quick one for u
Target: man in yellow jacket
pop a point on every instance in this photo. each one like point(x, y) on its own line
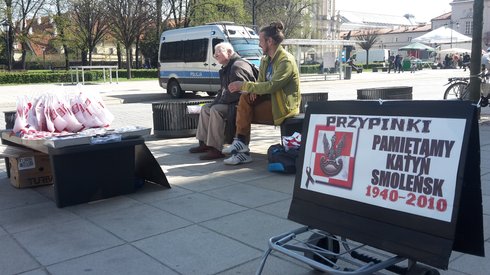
point(272, 99)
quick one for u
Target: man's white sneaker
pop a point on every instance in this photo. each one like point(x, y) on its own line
point(236, 147)
point(238, 158)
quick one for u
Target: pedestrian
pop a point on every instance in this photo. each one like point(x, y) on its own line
point(212, 119)
point(455, 61)
point(447, 62)
point(391, 61)
point(466, 61)
point(272, 99)
point(485, 59)
point(398, 63)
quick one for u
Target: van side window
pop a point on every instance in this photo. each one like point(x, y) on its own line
point(196, 50)
point(216, 41)
point(172, 52)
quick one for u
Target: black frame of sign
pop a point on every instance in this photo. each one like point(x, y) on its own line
point(415, 237)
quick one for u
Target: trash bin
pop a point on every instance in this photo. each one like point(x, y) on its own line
point(348, 72)
point(309, 97)
point(171, 118)
point(396, 92)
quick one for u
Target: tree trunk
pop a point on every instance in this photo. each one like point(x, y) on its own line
point(475, 65)
point(10, 51)
point(137, 54)
point(67, 58)
point(63, 37)
point(119, 55)
point(24, 47)
point(84, 57)
point(159, 17)
point(128, 62)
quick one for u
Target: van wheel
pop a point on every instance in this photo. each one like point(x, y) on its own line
point(212, 93)
point(173, 88)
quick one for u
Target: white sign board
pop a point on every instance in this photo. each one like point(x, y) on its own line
point(408, 164)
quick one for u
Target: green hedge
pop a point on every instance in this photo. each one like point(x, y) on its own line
point(310, 69)
point(62, 76)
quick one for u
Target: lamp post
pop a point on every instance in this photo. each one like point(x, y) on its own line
point(451, 23)
point(254, 3)
point(44, 57)
point(6, 30)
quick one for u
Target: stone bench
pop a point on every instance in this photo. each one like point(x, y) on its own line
point(172, 120)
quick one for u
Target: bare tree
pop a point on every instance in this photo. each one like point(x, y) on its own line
point(62, 22)
point(128, 20)
point(91, 24)
point(293, 13)
point(27, 10)
point(367, 40)
point(179, 12)
point(158, 17)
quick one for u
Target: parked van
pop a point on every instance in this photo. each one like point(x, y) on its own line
point(186, 56)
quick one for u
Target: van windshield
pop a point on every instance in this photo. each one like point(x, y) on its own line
point(247, 48)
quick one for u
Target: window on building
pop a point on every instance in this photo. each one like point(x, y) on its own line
point(396, 39)
point(468, 28)
point(409, 39)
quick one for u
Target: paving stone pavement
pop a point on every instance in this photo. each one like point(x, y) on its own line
point(215, 219)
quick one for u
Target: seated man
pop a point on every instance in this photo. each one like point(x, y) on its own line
point(272, 99)
point(211, 127)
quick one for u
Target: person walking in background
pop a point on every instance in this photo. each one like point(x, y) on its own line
point(211, 127)
point(275, 97)
point(485, 59)
point(455, 61)
point(398, 63)
point(391, 61)
point(447, 62)
point(466, 61)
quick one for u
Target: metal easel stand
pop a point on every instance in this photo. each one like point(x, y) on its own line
point(325, 252)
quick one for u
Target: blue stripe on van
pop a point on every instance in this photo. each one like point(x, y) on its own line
point(189, 74)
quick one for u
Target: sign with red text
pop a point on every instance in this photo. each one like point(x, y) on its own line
point(401, 176)
point(407, 164)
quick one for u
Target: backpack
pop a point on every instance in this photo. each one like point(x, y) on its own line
point(282, 161)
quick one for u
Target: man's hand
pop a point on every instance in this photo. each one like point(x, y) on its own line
point(252, 97)
point(235, 86)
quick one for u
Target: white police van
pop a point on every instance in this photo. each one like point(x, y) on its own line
point(186, 56)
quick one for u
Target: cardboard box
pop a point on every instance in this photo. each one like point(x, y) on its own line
point(27, 168)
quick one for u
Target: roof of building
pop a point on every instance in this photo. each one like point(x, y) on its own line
point(405, 29)
point(351, 18)
point(445, 16)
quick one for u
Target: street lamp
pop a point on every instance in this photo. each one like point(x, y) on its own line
point(44, 57)
point(6, 30)
point(451, 22)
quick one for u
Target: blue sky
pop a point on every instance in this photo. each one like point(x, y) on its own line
point(424, 10)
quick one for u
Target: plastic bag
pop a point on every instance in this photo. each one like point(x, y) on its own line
point(23, 107)
point(291, 142)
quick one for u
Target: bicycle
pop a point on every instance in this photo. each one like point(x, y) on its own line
point(459, 88)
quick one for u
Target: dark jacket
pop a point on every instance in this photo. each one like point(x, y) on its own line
point(237, 69)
